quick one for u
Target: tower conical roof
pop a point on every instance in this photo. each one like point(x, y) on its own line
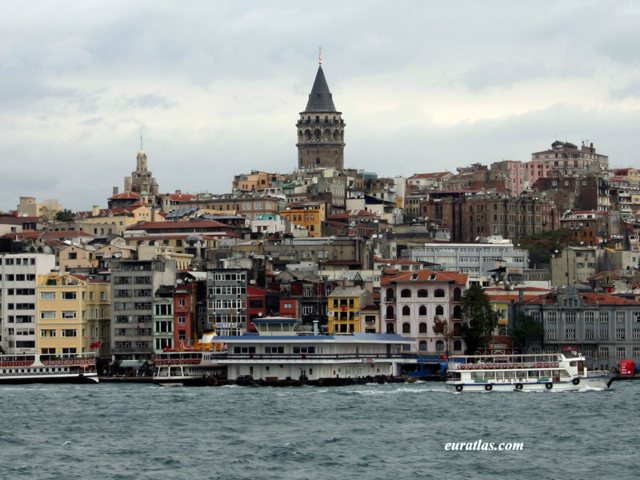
point(320, 97)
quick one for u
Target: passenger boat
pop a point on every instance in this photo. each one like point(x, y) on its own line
point(539, 372)
point(37, 368)
point(279, 354)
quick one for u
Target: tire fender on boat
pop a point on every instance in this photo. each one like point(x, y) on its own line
point(488, 388)
point(459, 388)
point(518, 386)
point(576, 381)
point(549, 386)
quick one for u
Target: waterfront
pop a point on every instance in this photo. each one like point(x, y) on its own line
point(398, 431)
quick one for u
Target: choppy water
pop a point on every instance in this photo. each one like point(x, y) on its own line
point(133, 431)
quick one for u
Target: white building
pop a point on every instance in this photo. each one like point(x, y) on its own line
point(474, 259)
point(18, 279)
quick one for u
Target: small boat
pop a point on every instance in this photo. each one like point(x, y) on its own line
point(40, 368)
point(537, 372)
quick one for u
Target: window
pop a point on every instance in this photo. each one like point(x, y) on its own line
point(604, 333)
point(47, 314)
point(68, 295)
point(406, 310)
point(603, 352)
point(439, 310)
point(620, 332)
point(47, 295)
point(570, 333)
point(422, 311)
point(589, 316)
point(47, 333)
point(405, 293)
point(422, 346)
point(422, 327)
point(69, 332)
point(552, 317)
point(621, 352)
point(69, 314)
point(406, 327)
point(422, 293)
point(570, 316)
point(182, 320)
point(439, 293)
point(552, 334)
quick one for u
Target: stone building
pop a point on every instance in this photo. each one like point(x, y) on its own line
point(605, 328)
point(320, 129)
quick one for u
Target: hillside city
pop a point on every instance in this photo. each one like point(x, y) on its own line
point(552, 242)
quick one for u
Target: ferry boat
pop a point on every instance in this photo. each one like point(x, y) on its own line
point(539, 372)
point(39, 368)
point(279, 354)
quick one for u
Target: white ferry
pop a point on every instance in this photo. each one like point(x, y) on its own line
point(543, 372)
point(35, 368)
point(281, 355)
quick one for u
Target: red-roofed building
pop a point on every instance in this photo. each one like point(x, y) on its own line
point(605, 328)
point(413, 303)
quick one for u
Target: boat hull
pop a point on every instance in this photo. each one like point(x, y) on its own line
point(63, 378)
point(599, 383)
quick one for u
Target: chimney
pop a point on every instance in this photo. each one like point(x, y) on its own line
point(115, 190)
point(95, 211)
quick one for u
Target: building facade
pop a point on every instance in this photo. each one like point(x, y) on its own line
point(133, 286)
point(605, 328)
point(320, 129)
point(19, 275)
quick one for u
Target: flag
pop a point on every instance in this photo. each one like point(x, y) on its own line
point(95, 345)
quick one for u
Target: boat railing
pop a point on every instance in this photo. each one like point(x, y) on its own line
point(282, 356)
point(598, 373)
point(507, 359)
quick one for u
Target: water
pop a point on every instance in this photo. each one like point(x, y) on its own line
point(398, 431)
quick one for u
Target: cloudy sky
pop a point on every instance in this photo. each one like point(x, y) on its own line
point(216, 87)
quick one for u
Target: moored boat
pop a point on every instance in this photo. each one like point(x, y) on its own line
point(39, 368)
point(516, 372)
point(280, 354)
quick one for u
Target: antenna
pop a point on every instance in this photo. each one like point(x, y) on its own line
point(141, 142)
point(320, 55)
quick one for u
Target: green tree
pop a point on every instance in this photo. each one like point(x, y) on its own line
point(526, 331)
point(480, 318)
point(64, 216)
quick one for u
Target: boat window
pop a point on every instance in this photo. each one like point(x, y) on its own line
point(573, 363)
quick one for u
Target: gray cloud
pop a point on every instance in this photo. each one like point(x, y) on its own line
point(216, 87)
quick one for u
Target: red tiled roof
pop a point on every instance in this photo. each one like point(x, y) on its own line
point(186, 224)
point(125, 196)
point(33, 234)
point(182, 197)
point(589, 298)
point(425, 275)
point(431, 175)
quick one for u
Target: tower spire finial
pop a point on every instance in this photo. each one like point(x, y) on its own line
point(141, 142)
point(320, 55)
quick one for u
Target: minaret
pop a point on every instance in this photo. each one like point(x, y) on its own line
point(320, 128)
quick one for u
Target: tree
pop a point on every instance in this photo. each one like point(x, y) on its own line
point(526, 331)
point(64, 215)
point(442, 327)
point(480, 318)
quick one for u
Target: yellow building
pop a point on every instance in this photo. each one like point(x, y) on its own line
point(308, 215)
point(115, 221)
point(71, 314)
point(344, 309)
